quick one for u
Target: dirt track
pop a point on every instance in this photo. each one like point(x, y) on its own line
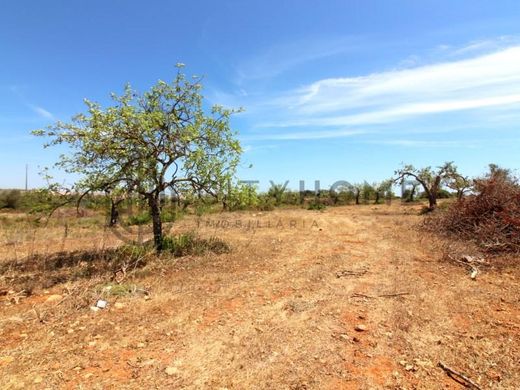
point(280, 312)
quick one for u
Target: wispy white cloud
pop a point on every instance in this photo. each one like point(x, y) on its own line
point(427, 143)
point(398, 112)
point(41, 112)
point(482, 46)
point(496, 75)
point(277, 59)
point(304, 135)
point(354, 105)
point(254, 148)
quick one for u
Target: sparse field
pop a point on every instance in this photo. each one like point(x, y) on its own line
point(279, 311)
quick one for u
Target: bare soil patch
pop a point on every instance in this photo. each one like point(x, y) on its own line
point(346, 298)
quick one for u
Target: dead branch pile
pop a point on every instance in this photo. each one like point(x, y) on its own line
point(490, 217)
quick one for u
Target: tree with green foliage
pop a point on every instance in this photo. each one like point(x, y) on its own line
point(460, 184)
point(431, 180)
point(149, 143)
point(277, 191)
point(382, 189)
point(367, 192)
point(498, 173)
point(409, 193)
point(240, 197)
point(357, 190)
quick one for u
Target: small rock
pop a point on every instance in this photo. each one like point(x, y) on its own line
point(343, 337)
point(88, 375)
point(54, 298)
point(171, 370)
point(360, 328)
point(141, 345)
point(38, 379)
point(119, 305)
point(423, 363)
point(409, 367)
point(94, 308)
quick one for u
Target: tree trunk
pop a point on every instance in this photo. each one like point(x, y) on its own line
point(432, 199)
point(412, 193)
point(377, 198)
point(155, 211)
point(432, 193)
point(114, 213)
point(358, 193)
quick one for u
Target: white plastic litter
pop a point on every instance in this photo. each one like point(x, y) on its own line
point(101, 304)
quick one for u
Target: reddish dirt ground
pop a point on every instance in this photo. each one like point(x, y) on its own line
point(348, 298)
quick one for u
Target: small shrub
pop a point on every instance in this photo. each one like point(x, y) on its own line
point(316, 205)
point(277, 192)
point(292, 198)
point(170, 216)
point(119, 290)
point(266, 203)
point(202, 208)
point(242, 197)
point(10, 199)
point(139, 219)
point(190, 244)
point(134, 252)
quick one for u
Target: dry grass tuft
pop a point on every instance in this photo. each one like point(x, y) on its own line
point(43, 271)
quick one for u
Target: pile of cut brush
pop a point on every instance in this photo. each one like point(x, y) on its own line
point(490, 217)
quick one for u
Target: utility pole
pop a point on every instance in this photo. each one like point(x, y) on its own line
point(26, 176)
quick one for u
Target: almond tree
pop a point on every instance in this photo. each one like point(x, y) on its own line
point(382, 188)
point(149, 143)
point(431, 180)
point(460, 184)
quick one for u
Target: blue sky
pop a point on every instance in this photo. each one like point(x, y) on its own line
point(332, 90)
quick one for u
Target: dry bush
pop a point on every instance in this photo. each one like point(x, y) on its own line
point(490, 217)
